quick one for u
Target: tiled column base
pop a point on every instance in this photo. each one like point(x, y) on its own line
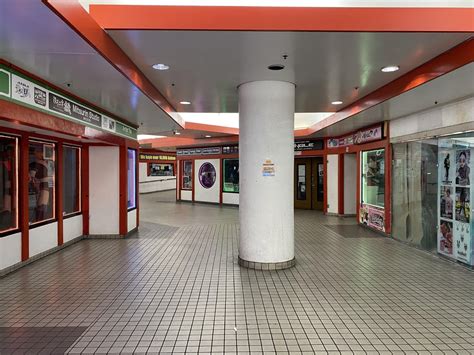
point(267, 266)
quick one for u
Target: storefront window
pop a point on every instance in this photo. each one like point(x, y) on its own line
point(301, 187)
point(8, 183)
point(71, 180)
point(41, 181)
point(161, 169)
point(187, 175)
point(231, 175)
point(132, 178)
point(373, 177)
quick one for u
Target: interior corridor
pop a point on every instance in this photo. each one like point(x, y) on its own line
point(176, 287)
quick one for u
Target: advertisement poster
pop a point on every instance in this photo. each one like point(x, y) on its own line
point(373, 217)
point(462, 167)
point(207, 175)
point(462, 242)
point(446, 202)
point(446, 167)
point(463, 205)
point(445, 237)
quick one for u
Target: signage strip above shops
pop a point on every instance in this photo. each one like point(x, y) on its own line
point(19, 88)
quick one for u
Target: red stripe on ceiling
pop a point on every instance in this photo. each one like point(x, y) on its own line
point(236, 18)
point(448, 61)
point(80, 21)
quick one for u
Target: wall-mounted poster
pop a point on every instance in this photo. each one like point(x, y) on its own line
point(372, 216)
point(446, 167)
point(463, 205)
point(445, 237)
point(462, 242)
point(207, 175)
point(462, 167)
point(446, 202)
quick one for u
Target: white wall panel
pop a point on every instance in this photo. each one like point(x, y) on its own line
point(332, 182)
point(104, 190)
point(350, 183)
point(10, 250)
point(207, 194)
point(186, 195)
point(72, 228)
point(230, 198)
point(131, 220)
point(43, 238)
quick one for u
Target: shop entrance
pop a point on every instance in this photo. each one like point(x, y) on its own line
point(309, 189)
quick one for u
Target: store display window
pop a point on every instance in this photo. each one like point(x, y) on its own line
point(8, 183)
point(41, 181)
point(71, 180)
point(372, 192)
point(301, 187)
point(157, 169)
point(231, 175)
point(187, 179)
point(131, 179)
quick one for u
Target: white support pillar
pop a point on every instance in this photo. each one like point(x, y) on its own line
point(266, 138)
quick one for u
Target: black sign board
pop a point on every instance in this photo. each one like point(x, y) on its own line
point(309, 145)
point(69, 108)
point(199, 151)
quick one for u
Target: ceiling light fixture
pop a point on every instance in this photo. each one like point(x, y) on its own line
point(276, 67)
point(185, 103)
point(160, 66)
point(390, 68)
point(207, 136)
point(336, 102)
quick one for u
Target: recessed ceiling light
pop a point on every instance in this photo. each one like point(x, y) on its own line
point(177, 133)
point(207, 136)
point(185, 103)
point(160, 66)
point(390, 68)
point(336, 102)
point(276, 67)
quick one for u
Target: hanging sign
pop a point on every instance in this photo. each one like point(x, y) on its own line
point(198, 151)
point(360, 137)
point(20, 89)
point(309, 145)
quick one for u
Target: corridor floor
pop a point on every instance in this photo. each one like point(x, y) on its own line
point(176, 287)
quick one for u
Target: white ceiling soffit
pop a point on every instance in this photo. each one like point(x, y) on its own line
point(35, 39)
point(302, 119)
point(206, 67)
point(288, 3)
point(451, 87)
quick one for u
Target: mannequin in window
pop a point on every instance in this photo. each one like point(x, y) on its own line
point(39, 185)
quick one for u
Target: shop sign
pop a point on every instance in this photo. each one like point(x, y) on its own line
point(20, 89)
point(268, 168)
point(156, 157)
point(372, 216)
point(309, 145)
point(360, 137)
point(198, 151)
point(234, 149)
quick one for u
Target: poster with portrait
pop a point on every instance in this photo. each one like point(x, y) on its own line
point(463, 169)
point(463, 204)
point(462, 242)
point(446, 167)
point(445, 237)
point(446, 204)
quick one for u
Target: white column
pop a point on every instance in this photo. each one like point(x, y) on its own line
point(266, 114)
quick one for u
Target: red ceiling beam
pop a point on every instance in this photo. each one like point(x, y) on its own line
point(237, 18)
point(71, 12)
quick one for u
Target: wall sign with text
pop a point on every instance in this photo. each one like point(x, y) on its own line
point(18, 88)
point(309, 145)
point(147, 156)
point(198, 151)
point(360, 137)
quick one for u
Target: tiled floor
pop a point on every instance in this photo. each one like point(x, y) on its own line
point(176, 287)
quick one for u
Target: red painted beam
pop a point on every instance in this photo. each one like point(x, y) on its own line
point(80, 21)
point(237, 18)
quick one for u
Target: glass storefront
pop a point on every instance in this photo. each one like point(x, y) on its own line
point(132, 178)
point(432, 193)
point(157, 169)
point(187, 179)
point(372, 190)
point(41, 181)
point(71, 180)
point(231, 175)
point(8, 183)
